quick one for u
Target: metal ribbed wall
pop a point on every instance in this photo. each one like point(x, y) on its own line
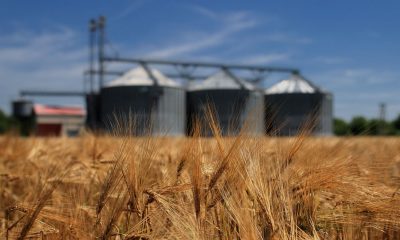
point(288, 113)
point(171, 112)
point(326, 121)
point(232, 107)
point(162, 110)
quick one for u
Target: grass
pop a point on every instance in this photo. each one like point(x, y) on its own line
point(110, 187)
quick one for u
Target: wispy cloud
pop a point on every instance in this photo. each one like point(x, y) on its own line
point(266, 58)
point(358, 91)
point(29, 47)
point(287, 38)
point(134, 5)
point(332, 60)
point(51, 59)
point(229, 38)
point(352, 77)
point(229, 25)
point(204, 12)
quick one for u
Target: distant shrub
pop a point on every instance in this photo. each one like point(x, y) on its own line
point(358, 126)
point(4, 122)
point(341, 127)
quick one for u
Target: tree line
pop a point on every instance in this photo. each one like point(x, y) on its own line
point(362, 126)
point(7, 122)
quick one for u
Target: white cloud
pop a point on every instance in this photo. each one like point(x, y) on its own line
point(358, 91)
point(266, 58)
point(229, 25)
point(27, 47)
point(358, 77)
point(204, 12)
point(287, 38)
point(135, 5)
point(52, 59)
point(332, 60)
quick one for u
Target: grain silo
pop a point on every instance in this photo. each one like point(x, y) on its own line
point(233, 100)
point(154, 102)
point(296, 103)
point(23, 111)
point(22, 108)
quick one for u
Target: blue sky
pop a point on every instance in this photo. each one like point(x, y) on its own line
point(350, 48)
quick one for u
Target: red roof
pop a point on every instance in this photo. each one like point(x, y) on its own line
point(58, 110)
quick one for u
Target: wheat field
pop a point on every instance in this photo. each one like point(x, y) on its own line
point(113, 187)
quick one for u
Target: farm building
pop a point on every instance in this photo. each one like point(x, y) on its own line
point(292, 104)
point(45, 120)
point(150, 99)
point(57, 120)
point(233, 101)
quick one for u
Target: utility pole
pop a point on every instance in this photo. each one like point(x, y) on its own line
point(101, 24)
point(91, 97)
point(382, 117)
point(382, 111)
point(92, 36)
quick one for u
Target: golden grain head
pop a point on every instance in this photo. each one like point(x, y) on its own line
point(199, 188)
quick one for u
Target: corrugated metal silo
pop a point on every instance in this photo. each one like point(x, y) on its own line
point(233, 100)
point(292, 103)
point(153, 100)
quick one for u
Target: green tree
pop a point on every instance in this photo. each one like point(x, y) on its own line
point(358, 125)
point(341, 127)
point(4, 122)
point(375, 127)
point(391, 130)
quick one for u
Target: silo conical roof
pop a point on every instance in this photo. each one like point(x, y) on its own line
point(222, 80)
point(295, 84)
point(140, 77)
